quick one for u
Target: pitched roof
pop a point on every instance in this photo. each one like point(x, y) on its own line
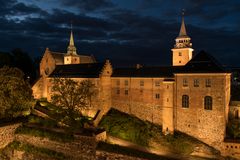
point(59, 58)
point(161, 71)
point(203, 63)
point(87, 70)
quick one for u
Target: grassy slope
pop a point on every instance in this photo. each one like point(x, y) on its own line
point(144, 133)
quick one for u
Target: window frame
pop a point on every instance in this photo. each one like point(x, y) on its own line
point(185, 82)
point(208, 82)
point(196, 82)
point(185, 101)
point(208, 102)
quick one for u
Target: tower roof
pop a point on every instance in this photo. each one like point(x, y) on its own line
point(71, 50)
point(183, 32)
point(71, 42)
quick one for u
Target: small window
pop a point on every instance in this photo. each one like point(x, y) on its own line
point(185, 101)
point(208, 103)
point(67, 59)
point(196, 83)
point(118, 82)
point(180, 61)
point(141, 83)
point(75, 59)
point(185, 82)
point(141, 91)
point(118, 91)
point(180, 54)
point(126, 82)
point(126, 92)
point(208, 82)
point(157, 96)
point(157, 83)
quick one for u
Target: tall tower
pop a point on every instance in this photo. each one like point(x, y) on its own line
point(71, 57)
point(182, 51)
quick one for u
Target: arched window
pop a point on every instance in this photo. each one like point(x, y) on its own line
point(208, 103)
point(185, 101)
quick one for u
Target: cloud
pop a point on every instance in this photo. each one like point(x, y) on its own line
point(88, 5)
point(125, 36)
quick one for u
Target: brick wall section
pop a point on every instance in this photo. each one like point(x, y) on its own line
point(7, 134)
point(82, 148)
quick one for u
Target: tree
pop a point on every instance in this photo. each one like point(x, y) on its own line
point(15, 93)
point(72, 96)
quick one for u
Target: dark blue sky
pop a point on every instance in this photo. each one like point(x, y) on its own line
point(125, 31)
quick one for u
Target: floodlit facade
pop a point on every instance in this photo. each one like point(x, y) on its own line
point(191, 96)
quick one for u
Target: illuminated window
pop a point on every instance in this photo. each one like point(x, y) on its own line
point(141, 83)
point(196, 83)
point(185, 101)
point(208, 82)
point(118, 82)
point(126, 92)
point(157, 83)
point(126, 82)
point(208, 103)
point(180, 54)
point(185, 82)
point(157, 96)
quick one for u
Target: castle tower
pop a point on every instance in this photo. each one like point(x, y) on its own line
point(71, 57)
point(182, 51)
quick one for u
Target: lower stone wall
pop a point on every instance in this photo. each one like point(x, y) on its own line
point(231, 149)
point(100, 155)
point(83, 147)
point(144, 111)
point(7, 134)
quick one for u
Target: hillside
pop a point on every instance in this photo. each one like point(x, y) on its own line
point(143, 133)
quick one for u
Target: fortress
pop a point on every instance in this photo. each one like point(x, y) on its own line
point(191, 96)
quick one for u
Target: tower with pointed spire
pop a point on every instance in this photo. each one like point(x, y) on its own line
point(182, 51)
point(71, 57)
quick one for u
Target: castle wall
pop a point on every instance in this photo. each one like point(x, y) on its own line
point(139, 99)
point(7, 134)
point(207, 125)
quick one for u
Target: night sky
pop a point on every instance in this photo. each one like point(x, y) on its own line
point(125, 31)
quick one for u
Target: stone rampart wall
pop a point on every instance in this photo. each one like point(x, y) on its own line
point(231, 149)
point(145, 111)
point(7, 134)
point(114, 156)
point(83, 147)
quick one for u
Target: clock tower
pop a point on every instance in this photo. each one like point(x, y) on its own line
point(182, 51)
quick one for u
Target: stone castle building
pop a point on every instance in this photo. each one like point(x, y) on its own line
point(191, 96)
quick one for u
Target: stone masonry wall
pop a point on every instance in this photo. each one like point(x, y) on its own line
point(130, 97)
point(7, 134)
point(206, 125)
point(100, 155)
point(82, 148)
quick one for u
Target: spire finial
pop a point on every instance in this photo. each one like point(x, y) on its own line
point(71, 47)
point(183, 28)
